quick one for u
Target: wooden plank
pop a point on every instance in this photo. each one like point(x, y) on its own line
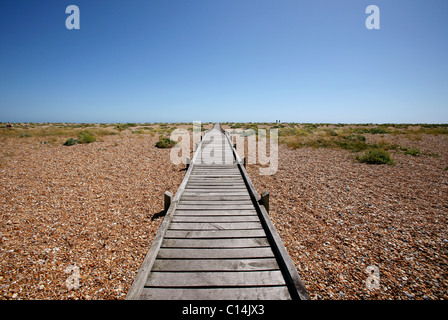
point(215, 212)
point(211, 207)
point(215, 243)
point(215, 264)
point(204, 167)
point(252, 218)
point(215, 279)
point(211, 180)
point(214, 172)
point(216, 189)
point(220, 180)
point(216, 175)
point(223, 234)
point(215, 253)
point(214, 225)
point(242, 293)
point(246, 197)
point(218, 168)
point(217, 186)
point(215, 194)
point(215, 202)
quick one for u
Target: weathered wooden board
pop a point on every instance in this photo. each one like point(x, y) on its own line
point(215, 264)
point(222, 191)
point(215, 202)
point(207, 234)
point(215, 279)
point(215, 243)
point(241, 293)
point(214, 225)
point(215, 212)
point(251, 218)
point(212, 207)
point(216, 186)
point(215, 253)
point(214, 193)
point(214, 198)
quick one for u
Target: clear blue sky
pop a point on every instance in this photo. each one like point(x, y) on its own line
point(224, 60)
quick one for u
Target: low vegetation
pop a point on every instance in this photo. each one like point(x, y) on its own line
point(83, 137)
point(362, 139)
point(375, 156)
point(70, 142)
point(369, 139)
point(86, 137)
point(165, 142)
point(412, 151)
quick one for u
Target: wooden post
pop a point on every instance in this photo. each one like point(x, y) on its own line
point(188, 162)
point(167, 198)
point(265, 200)
point(244, 161)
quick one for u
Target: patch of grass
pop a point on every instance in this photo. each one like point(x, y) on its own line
point(165, 142)
point(431, 154)
point(356, 138)
point(86, 137)
point(412, 151)
point(70, 142)
point(83, 137)
point(374, 130)
point(375, 156)
point(120, 127)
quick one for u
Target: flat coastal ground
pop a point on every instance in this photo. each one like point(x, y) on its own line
point(96, 208)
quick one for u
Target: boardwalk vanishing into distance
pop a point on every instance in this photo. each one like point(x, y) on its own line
point(216, 241)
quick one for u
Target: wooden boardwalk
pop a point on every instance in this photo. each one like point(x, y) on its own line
point(216, 241)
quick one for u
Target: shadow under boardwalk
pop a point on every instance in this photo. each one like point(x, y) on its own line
point(215, 242)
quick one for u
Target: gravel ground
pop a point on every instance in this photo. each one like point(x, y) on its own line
point(337, 217)
point(76, 222)
point(93, 207)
